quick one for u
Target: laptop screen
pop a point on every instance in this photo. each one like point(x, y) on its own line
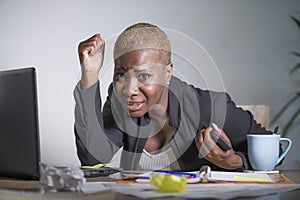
point(19, 132)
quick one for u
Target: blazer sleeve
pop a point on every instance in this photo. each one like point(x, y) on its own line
point(95, 142)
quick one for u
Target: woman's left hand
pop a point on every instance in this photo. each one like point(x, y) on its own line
point(209, 150)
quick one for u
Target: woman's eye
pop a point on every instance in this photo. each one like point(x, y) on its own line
point(143, 77)
point(120, 77)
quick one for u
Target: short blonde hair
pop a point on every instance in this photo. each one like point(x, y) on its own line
point(143, 36)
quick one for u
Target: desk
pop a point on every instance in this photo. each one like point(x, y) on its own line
point(18, 189)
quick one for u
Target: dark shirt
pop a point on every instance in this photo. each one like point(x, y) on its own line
point(190, 110)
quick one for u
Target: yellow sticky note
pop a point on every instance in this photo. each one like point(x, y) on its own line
point(168, 183)
point(93, 166)
point(249, 179)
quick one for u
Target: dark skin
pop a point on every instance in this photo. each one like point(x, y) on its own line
point(141, 82)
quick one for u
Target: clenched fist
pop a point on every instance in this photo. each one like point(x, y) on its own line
point(91, 56)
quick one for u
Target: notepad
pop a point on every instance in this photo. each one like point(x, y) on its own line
point(238, 176)
point(206, 175)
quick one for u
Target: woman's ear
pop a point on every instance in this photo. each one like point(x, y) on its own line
point(169, 69)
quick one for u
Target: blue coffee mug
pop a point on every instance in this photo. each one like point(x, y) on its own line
point(263, 150)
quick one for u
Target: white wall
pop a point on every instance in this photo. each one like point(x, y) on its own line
point(249, 41)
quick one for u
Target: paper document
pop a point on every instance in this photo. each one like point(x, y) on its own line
point(216, 176)
point(212, 191)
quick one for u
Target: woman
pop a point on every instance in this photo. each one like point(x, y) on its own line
point(160, 121)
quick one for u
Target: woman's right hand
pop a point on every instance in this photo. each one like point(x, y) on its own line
point(91, 56)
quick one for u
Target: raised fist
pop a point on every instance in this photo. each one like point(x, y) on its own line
point(91, 56)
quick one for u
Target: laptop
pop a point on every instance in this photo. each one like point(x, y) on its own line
point(19, 130)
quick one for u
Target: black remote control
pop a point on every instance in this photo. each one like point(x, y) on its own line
point(220, 140)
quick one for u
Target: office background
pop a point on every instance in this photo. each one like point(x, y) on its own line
point(249, 42)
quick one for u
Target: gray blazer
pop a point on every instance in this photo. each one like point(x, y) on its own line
point(99, 134)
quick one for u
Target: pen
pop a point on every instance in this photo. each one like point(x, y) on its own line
point(184, 174)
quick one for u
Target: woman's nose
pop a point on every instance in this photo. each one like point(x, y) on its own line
point(131, 87)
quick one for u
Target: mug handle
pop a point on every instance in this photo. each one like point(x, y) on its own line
point(289, 144)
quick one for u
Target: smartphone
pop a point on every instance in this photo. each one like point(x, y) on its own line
point(220, 140)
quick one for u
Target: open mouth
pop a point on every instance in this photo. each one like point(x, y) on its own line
point(134, 105)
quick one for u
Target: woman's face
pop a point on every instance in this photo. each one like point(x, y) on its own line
point(140, 81)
